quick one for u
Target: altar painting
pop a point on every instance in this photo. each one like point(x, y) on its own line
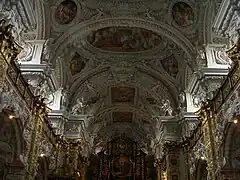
point(124, 39)
point(122, 168)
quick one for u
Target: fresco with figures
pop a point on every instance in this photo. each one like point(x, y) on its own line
point(122, 117)
point(76, 64)
point(183, 14)
point(170, 65)
point(124, 39)
point(66, 11)
point(122, 94)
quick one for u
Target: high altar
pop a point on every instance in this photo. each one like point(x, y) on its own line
point(121, 159)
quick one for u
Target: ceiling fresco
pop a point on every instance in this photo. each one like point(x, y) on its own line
point(124, 39)
point(122, 94)
point(66, 11)
point(122, 117)
point(132, 58)
point(183, 14)
point(170, 65)
point(76, 64)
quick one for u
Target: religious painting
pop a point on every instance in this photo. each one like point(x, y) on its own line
point(122, 94)
point(183, 14)
point(66, 12)
point(170, 65)
point(124, 39)
point(76, 65)
point(122, 117)
point(121, 168)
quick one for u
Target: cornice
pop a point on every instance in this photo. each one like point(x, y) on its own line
point(203, 74)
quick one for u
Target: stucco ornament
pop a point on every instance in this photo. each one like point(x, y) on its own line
point(234, 29)
point(27, 52)
point(167, 108)
point(43, 90)
point(65, 94)
point(47, 51)
point(79, 107)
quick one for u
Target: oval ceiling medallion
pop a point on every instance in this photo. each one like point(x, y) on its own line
point(124, 39)
point(66, 12)
point(183, 14)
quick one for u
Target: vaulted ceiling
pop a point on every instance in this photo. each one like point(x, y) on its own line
point(126, 61)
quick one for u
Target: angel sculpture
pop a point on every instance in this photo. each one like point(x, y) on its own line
point(79, 107)
point(166, 107)
point(47, 53)
point(64, 97)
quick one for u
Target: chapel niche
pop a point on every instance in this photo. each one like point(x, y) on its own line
point(121, 159)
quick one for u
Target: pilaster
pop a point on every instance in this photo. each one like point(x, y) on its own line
point(40, 113)
point(208, 125)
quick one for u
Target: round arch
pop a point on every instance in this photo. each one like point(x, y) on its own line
point(76, 32)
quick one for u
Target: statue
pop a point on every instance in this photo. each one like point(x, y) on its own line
point(41, 89)
point(196, 101)
point(44, 92)
point(166, 107)
point(79, 107)
point(47, 53)
point(182, 101)
point(2, 25)
point(64, 98)
point(201, 58)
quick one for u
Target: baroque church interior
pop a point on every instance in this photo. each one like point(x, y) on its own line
point(119, 90)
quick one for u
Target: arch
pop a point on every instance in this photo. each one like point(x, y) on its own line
point(80, 29)
point(169, 84)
